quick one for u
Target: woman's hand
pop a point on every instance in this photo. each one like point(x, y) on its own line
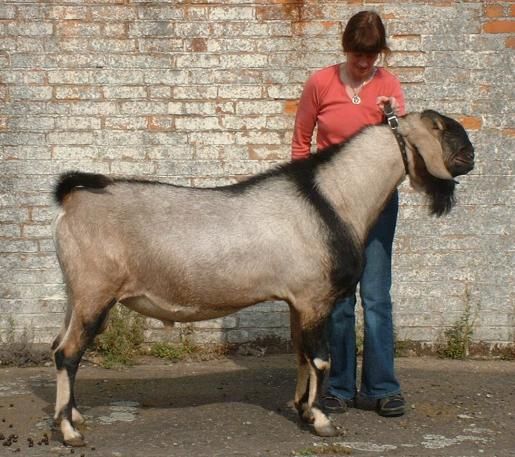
point(382, 100)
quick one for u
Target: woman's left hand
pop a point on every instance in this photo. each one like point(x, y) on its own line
point(382, 100)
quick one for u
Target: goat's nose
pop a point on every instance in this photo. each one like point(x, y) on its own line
point(469, 154)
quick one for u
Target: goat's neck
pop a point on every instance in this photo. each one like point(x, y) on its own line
point(359, 180)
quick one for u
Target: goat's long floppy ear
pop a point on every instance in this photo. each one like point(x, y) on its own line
point(424, 132)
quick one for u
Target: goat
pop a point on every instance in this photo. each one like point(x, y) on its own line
point(294, 233)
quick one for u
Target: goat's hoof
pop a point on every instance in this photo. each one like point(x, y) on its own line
point(327, 430)
point(77, 417)
point(77, 441)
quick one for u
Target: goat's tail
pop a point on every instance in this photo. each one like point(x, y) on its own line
point(73, 179)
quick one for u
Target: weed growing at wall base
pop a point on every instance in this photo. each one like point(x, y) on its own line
point(19, 349)
point(122, 339)
point(457, 338)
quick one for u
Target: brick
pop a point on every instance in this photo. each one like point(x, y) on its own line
point(78, 123)
point(247, 61)
point(78, 93)
point(31, 123)
point(212, 138)
point(30, 93)
point(70, 152)
point(172, 77)
point(151, 29)
point(494, 10)
point(258, 107)
point(91, 108)
point(125, 123)
point(60, 13)
point(160, 44)
point(230, 45)
point(240, 92)
point(195, 92)
point(159, 92)
point(277, 92)
point(197, 60)
point(239, 123)
point(234, 13)
point(77, 28)
point(160, 12)
point(499, 26)
point(113, 45)
point(126, 92)
point(470, 122)
point(7, 12)
point(140, 108)
point(204, 123)
point(40, 29)
point(116, 12)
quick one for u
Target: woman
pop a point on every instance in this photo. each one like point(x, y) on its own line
point(340, 100)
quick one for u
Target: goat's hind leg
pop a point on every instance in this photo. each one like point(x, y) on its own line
point(68, 351)
point(76, 416)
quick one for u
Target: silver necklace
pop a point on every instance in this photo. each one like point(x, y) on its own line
point(356, 99)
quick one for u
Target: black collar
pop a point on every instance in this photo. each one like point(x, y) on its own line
point(393, 122)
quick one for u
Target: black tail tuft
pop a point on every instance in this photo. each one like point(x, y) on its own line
point(72, 179)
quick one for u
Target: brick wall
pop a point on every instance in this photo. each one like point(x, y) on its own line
point(204, 93)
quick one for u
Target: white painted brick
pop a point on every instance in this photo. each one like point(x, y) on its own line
point(194, 92)
point(197, 60)
point(243, 60)
point(30, 92)
point(258, 107)
point(244, 123)
point(239, 92)
point(204, 123)
point(78, 93)
point(125, 123)
point(78, 123)
point(129, 92)
point(139, 108)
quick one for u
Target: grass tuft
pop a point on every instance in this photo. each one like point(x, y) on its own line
point(20, 350)
point(122, 339)
point(457, 339)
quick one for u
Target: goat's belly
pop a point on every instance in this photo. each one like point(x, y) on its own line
point(169, 313)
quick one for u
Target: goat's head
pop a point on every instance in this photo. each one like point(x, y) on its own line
point(441, 150)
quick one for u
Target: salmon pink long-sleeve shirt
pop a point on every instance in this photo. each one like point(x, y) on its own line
point(325, 103)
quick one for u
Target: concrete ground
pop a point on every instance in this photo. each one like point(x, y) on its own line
point(242, 407)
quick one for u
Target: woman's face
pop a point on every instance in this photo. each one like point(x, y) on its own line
point(360, 64)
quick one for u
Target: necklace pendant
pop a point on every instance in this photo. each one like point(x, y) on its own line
point(356, 100)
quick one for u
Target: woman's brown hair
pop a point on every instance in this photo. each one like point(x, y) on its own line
point(365, 33)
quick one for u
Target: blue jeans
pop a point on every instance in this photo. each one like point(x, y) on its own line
point(378, 378)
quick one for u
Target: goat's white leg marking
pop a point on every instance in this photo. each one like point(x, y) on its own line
point(302, 382)
point(313, 385)
point(77, 416)
point(62, 394)
point(321, 364)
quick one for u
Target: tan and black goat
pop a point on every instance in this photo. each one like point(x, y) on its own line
point(295, 233)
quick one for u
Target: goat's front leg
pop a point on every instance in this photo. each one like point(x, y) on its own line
point(313, 364)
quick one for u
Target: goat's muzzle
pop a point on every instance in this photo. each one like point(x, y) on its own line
point(463, 161)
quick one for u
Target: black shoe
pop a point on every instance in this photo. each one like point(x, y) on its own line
point(391, 406)
point(334, 404)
